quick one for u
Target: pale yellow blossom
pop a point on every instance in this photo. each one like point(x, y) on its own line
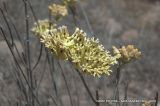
point(58, 10)
point(127, 53)
point(87, 54)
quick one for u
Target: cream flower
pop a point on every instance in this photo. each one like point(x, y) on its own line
point(87, 54)
point(42, 26)
point(126, 54)
point(58, 10)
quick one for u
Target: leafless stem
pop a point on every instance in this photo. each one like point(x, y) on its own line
point(87, 88)
point(156, 98)
point(65, 80)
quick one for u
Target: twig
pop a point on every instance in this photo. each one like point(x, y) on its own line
point(125, 96)
point(16, 62)
point(116, 92)
point(39, 57)
point(86, 19)
point(13, 44)
point(97, 97)
point(52, 68)
point(27, 52)
point(88, 90)
point(17, 33)
point(65, 80)
point(8, 26)
point(156, 98)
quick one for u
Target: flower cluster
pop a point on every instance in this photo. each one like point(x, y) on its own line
point(42, 26)
point(126, 54)
point(56, 40)
point(61, 10)
point(87, 54)
point(90, 56)
point(58, 10)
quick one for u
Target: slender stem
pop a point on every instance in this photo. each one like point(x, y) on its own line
point(53, 99)
point(8, 26)
point(10, 20)
point(125, 96)
point(34, 15)
point(116, 92)
point(86, 19)
point(97, 97)
point(13, 44)
point(39, 57)
point(86, 86)
point(19, 67)
point(54, 85)
point(76, 86)
point(65, 80)
point(29, 71)
point(156, 98)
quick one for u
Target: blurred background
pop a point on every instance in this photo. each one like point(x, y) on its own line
point(113, 22)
